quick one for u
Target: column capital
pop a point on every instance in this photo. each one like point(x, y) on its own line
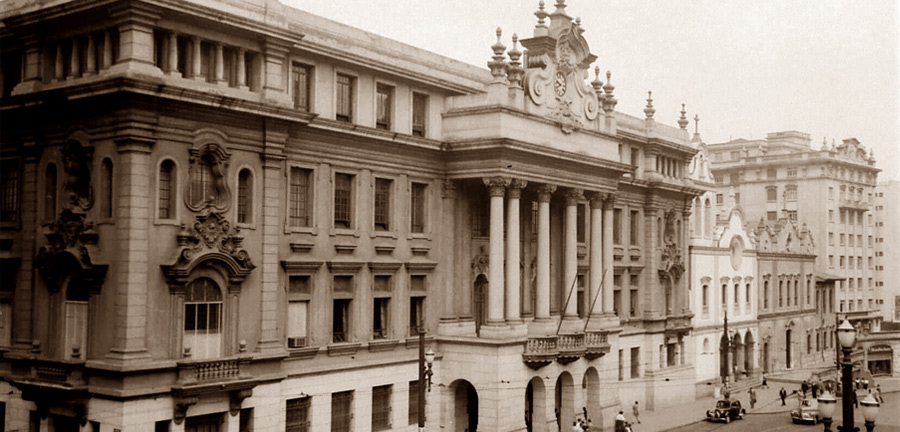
point(573, 196)
point(609, 201)
point(496, 185)
point(596, 199)
point(448, 189)
point(515, 188)
point(545, 191)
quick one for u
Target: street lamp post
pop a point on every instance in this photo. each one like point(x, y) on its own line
point(847, 337)
point(425, 362)
point(827, 404)
point(870, 411)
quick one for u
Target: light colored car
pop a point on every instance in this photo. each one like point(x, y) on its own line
point(807, 411)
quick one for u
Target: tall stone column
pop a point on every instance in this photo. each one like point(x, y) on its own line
point(570, 272)
point(75, 60)
point(107, 59)
point(497, 189)
point(220, 64)
point(513, 252)
point(241, 69)
point(448, 240)
point(608, 268)
point(59, 70)
point(23, 295)
point(133, 232)
point(596, 269)
point(90, 67)
point(542, 298)
point(173, 55)
point(196, 59)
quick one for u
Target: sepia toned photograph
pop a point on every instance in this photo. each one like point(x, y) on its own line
point(466, 216)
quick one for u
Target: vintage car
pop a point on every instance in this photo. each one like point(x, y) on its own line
point(808, 411)
point(726, 410)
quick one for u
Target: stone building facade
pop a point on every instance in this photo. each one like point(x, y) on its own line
point(887, 274)
point(829, 190)
point(236, 216)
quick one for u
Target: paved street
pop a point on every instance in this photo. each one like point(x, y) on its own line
point(888, 421)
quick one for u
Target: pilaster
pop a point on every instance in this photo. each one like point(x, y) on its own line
point(273, 158)
point(135, 22)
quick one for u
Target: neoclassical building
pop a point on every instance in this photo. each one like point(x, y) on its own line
point(236, 216)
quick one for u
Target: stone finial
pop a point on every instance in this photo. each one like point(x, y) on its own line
point(578, 25)
point(597, 84)
point(683, 121)
point(697, 126)
point(498, 64)
point(610, 101)
point(649, 110)
point(541, 14)
point(515, 70)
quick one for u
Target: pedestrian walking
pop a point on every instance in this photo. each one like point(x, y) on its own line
point(855, 400)
point(765, 383)
point(815, 389)
point(620, 421)
point(878, 393)
point(783, 394)
point(588, 425)
point(634, 410)
point(865, 383)
point(752, 397)
point(804, 386)
point(576, 427)
point(856, 383)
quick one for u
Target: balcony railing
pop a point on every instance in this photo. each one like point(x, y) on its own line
point(539, 351)
point(596, 344)
point(200, 372)
point(571, 347)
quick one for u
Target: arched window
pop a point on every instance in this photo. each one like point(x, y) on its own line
point(705, 345)
point(245, 196)
point(167, 187)
point(707, 218)
point(50, 188)
point(705, 300)
point(766, 294)
point(106, 189)
point(203, 319)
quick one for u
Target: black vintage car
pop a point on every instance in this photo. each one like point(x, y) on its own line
point(726, 410)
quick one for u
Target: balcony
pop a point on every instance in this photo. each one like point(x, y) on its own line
point(570, 347)
point(854, 204)
point(217, 372)
point(47, 373)
point(596, 344)
point(539, 351)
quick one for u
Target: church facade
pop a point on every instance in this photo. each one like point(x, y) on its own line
point(239, 216)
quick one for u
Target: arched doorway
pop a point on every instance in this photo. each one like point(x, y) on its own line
point(465, 406)
point(591, 386)
point(478, 297)
point(748, 352)
point(564, 400)
point(737, 356)
point(787, 349)
point(536, 406)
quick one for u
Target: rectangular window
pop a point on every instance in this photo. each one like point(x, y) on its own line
point(634, 297)
point(9, 191)
point(344, 98)
point(635, 156)
point(737, 197)
point(617, 294)
point(617, 226)
point(380, 317)
point(413, 409)
point(843, 239)
point(416, 314)
point(635, 228)
point(705, 298)
point(342, 411)
point(720, 199)
point(792, 172)
point(780, 293)
point(204, 423)
point(771, 173)
point(343, 200)
point(790, 193)
point(384, 95)
point(383, 204)
point(419, 113)
point(791, 215)
point(771, 194)
point(301, 78)
point(340, 324)
point(297, 415)
point(771, 216)
point(381, 408)
point(417, 208)
point(300, 197)
point(298, 310)
point(830, 193)
point(830, 239)
point(636, 362)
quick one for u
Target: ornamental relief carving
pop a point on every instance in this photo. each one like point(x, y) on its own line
point(557, 81)
point(207, 189)
point(213, 237)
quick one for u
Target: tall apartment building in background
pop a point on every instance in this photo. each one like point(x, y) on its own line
point(886, 207)
point(827, 191)
point(226, 215)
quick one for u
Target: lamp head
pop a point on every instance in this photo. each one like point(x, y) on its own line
point(827, 403)
point(429, 357)
point(869, 408)
point(846, 334)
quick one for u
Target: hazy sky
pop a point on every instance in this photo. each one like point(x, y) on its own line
point(828, 68)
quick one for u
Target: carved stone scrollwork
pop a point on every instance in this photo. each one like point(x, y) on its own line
point(236, 398)
point(181, 407)
point(574, 196)
point(77, 164)
point(67, 244)
point(209, 162)
point(545, 191)
point(211, 237)
point(515, 188)
point(496, 185)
